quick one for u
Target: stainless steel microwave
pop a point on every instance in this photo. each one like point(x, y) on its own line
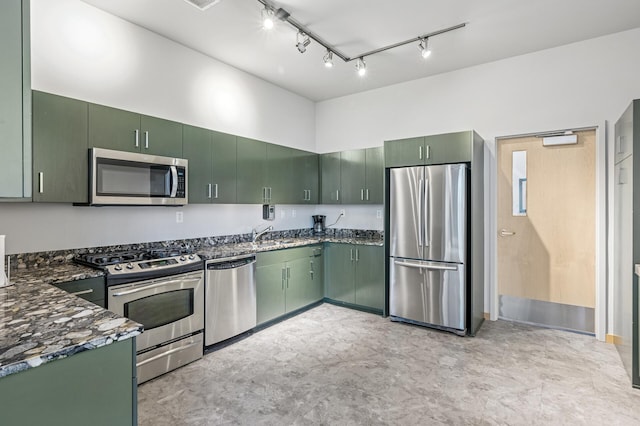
point(131, 178)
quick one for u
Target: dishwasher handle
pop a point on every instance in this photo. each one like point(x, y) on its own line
point(230, 263)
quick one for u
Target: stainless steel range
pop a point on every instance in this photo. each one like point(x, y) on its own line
point(162, 289)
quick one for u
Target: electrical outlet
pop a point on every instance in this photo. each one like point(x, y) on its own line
point(378, 214)
point(179, 217)
point(343, 213)
point(293, 213)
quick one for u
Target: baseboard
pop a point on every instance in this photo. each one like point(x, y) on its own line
point(612, 338)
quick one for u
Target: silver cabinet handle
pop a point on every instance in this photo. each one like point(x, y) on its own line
point(146, 139)
point(208, 190)
point(264, 194)
point(81, 292)
point(506, 233)
point(357, 255)
point(351, 251)
point(420, 152)
point(167, 353)
point(362, 194)
point(428, 151)
point(137, 137)
point(367, 194)
point(216, 191)
point(423, 266)
point(288, 275)
point(270, 193)
point(41, 182)
point(283, 277)
point(337, 195)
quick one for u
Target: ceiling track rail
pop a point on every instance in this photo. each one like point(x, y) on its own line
point(285, 16)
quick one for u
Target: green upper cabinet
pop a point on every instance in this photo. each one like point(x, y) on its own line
point(445, 148)
point(374, 186)
point(252, 171)
point(60, 156)
point(212, 165)
point(330, 178)
point(304, 177)
point(353, 177)
point(224, 168)
point(279, 181)
point(15, 100)
point(121, 130)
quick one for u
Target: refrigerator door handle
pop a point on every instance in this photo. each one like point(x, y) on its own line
point(421, 218)
point(423, 266)
point(426, 215)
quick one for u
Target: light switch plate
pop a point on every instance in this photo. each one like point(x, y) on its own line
point(179, 217)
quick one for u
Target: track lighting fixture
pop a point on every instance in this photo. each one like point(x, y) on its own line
point(304, 37)
point(361, 67)
point(303, 41)
point(424, 48)
point(268, 18)
point(328, 59)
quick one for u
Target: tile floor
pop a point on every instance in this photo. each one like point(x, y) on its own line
point(333, 365)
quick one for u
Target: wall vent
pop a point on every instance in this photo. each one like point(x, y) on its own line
point(203, 4)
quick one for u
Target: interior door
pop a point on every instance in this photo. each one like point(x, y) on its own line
point(546, 231)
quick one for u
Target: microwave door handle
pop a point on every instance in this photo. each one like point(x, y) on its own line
point(174, 181)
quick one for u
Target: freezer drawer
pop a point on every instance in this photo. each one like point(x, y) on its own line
point(430, 293)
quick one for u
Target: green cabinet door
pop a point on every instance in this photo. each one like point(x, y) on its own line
point(449, 148)
point(330, 178)
point(270, 292)
point(352, 176)
point(340, 272)
point(113, 128)
point(311, 177)
point(301, 177)
point(90, 289)
point(315, 290)
point(404, 152)
point(60, 155)
point(224, 168)
point(279, 183)
point(197, 150)
point(298, 281)
point(15, 100)
point(374, 187)
point(160, 137)
point(369, 281)
point(252, 171)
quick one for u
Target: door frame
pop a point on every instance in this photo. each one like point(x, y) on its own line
point(603, 241)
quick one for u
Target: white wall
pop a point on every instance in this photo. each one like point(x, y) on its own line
point(578, 85)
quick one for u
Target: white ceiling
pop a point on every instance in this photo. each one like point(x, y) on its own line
point(231, 32)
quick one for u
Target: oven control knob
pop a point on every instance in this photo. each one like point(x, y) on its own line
point(191, 257)
point(118, 268)
point(182, 258)
point(129, 266)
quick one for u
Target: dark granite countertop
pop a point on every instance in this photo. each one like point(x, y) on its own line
point(40, 323)
point(54, 274)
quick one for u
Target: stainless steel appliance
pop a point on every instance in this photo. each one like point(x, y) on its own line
point(230, 305)
point(164, 291)
point(428, 246)
point(319, 224)
point(130, 178)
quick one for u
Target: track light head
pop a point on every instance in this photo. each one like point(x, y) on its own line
point(303, 41)
point(328, 59)
point(268, 18)
point(424, 48)
point(361, 67)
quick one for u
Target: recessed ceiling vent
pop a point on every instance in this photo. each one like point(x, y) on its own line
point(203, 4)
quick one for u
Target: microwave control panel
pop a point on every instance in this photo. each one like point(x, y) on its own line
point(180, 193)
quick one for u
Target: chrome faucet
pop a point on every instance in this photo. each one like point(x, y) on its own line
point(257, 234)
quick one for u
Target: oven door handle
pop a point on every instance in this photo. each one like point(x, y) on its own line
point(146, 287)
point(174, 181)
point(167, 353)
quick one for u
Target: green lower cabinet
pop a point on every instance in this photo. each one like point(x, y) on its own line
point(355, 274)
point(288, 280)
point(90, 289)
point(96, 387)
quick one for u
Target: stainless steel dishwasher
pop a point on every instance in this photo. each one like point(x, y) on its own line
point(230, 297)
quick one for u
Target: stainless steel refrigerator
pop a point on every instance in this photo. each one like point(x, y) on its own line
point(428, 246)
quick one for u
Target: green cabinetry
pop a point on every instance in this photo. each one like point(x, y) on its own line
point(436, 149)
point(121, 130)
point(90, 289)
point(212, 165)
point(252, 171)
point(288, 280)
point(96, 387)
point(354, 275)
point(60, 156)
point(353, 177)
point(15, 100)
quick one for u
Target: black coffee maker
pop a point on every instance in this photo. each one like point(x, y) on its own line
point(318, 224)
